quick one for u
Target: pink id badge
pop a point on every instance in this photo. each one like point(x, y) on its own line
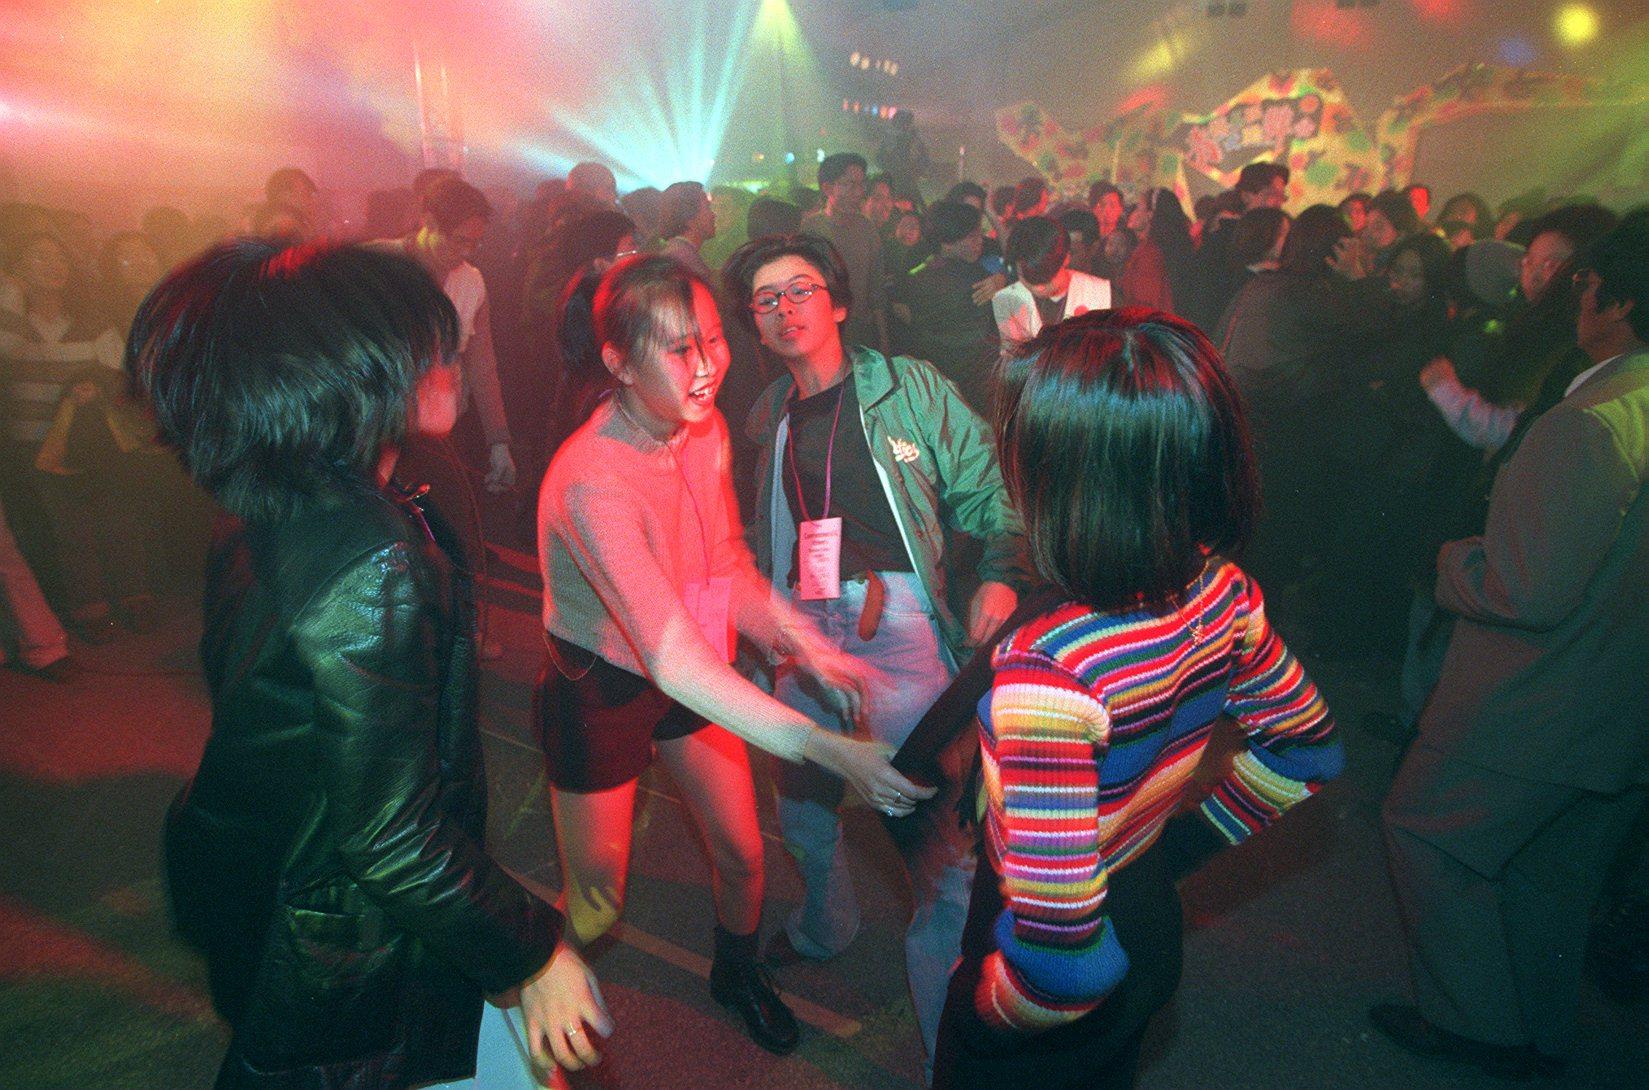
point(819, 554)
point(711, 604)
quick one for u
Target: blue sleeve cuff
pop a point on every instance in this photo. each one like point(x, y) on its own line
point(1307, 762)
point(1081, 976)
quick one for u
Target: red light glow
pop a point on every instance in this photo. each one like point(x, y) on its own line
point(1154, 95)
point(1447, 12)
point(1325, 22)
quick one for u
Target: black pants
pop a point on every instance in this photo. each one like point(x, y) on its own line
point(1099, 1051)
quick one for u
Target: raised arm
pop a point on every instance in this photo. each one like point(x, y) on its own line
point(609, 545)
point(1556, 508)
point(1477, 421)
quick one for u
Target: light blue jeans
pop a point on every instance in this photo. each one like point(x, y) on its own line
point(914, 670)
point(501, 1061)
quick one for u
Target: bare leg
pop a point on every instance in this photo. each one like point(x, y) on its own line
point(592, 830)
point(712, 771)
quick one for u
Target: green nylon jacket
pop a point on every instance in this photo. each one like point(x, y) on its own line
point(937, 465)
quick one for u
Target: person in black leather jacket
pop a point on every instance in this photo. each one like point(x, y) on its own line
point(327, 858)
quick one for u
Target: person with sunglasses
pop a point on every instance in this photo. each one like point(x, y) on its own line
point(865, 460)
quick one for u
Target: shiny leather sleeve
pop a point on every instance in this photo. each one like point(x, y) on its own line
point(370, 642)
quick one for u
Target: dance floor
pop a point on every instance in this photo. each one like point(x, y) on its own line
point(1291, 937)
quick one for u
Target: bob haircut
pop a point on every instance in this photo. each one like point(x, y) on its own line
point(1038, 248)
point(1124, 444)
point(739, 274)
point(279, 374)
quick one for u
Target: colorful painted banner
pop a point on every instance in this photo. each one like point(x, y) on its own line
point(1301, 117)
point(1476, 89)
point(1128, 149)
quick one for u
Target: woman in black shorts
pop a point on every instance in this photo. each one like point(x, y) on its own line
point(646, 578)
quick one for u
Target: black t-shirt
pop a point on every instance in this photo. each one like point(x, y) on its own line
point(870, 534)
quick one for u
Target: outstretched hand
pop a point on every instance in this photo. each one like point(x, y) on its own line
point(984, 290)
point(864, 765)
point(846, 680)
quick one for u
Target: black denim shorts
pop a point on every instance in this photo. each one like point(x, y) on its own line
point(597, 722)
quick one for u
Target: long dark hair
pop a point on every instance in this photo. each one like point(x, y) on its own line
point(1434, 254)
point(1124, 444)
point(1171, 231)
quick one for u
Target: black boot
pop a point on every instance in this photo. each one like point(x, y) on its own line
point(741, 983)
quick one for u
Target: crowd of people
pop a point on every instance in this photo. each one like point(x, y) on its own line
point(967, 506)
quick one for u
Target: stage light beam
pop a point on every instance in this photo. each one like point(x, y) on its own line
point(658, 124)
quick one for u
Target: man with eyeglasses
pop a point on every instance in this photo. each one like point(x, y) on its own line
point(1532, 759)
point(864, 460)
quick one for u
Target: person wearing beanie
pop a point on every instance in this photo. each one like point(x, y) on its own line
point(1491, 271)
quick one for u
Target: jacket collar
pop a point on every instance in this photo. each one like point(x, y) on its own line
point(873, 380)
point(873, 377)
point(1626, 361)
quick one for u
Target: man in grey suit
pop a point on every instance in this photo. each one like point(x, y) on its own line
point(1533, 754)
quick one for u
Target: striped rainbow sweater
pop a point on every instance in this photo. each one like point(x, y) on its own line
point(1090, 734)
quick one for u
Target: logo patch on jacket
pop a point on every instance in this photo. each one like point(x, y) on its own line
point(903, 450)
